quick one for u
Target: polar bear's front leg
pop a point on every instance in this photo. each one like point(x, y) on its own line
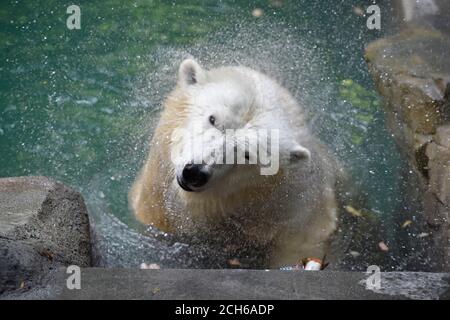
point(306, 247)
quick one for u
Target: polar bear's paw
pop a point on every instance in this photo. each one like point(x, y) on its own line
point(309, 264)
point(313, 264)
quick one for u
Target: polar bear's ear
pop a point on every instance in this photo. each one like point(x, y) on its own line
point(190, 73)
point(297, 152)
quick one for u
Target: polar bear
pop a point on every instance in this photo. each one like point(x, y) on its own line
point(288, 214)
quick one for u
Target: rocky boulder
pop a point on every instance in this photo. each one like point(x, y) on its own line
point(43, 225)
point(412, 73)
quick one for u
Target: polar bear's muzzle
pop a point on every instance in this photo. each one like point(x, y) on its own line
point(193, 177)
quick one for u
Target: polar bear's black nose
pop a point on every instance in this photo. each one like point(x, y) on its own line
point(194, 176)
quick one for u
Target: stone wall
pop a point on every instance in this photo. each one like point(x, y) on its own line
point(411, 70)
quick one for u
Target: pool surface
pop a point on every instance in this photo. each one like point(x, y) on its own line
point(79, 105)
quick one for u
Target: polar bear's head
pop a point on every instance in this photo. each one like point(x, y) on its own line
point(230, 134)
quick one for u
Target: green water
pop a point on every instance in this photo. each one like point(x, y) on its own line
point(78, 105)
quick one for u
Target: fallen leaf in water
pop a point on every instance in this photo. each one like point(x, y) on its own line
point(257, 12)
point(358, 11)
point(234, 262)
point(47, 254)
point(423, 235)
point(276, 3)
point(156, 290)
point(383, 246)
point(354, 254)
point(406, 223)
point(354, 212)
point(22, 285)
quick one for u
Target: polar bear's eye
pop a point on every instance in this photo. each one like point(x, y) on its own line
point(212, 120)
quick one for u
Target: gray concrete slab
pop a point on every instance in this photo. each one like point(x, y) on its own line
point(97, 283)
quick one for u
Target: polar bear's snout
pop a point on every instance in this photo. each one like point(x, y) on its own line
point(194, 177)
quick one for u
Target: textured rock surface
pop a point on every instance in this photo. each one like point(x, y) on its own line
point(239, 285)
point(43, 225)
point(412, 72)
point(430, 13)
